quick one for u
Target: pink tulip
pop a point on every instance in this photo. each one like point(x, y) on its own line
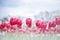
point(58, 30)
point(5, 29)
point(35, 30)
point(13, 28)
point(22, 30)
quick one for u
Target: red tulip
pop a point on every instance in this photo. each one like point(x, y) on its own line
point(19, 22)
point(58, 21)
point(38, 23)
point(7, 25)
point(2, 25)
point(0, 28)
point(52, 24)
point(13, 21)
point(29, 22)
point(43, 25)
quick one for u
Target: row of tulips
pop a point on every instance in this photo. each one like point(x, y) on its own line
point(16, 24)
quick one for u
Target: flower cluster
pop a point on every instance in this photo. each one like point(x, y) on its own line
point(15, 25)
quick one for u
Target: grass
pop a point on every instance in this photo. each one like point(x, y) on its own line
point(29, 36)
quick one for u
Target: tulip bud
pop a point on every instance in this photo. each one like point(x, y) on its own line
point(38, 23)
point(58, 21)
point(29, 22)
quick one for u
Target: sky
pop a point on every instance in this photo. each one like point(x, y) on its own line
point(27, 8)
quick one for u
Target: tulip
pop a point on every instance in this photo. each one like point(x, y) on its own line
point(22, 30)
point(2, 25)
point(13, 28)
point(13, 21)
point(7, 25)
point(19, 23)
point(58, 30)
point(52, 24)
point(29, 22)
point(43, 25)
point(38, 23)
point(5, 29)
point(58, 21)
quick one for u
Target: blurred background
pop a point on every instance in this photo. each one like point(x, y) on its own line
point(45, 10)
point(29, 7)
